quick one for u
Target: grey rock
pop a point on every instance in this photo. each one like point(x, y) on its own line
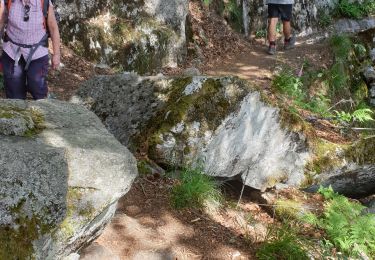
point(14, 122)
point(73, 256)
point(191, 72)
point(372, 90)
point(97, 252)
point(372, 55)
point(354, 26)
point(355, 183)
point(137, 35)
point(59, 184)
point(224, 123)
point(369, 74)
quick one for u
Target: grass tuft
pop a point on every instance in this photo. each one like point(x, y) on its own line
point(194, 189)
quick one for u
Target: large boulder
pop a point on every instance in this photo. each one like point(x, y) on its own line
point(133, 35)
point(223, 123)
point(61, 175)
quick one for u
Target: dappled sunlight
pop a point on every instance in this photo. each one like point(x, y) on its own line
point(145, 223)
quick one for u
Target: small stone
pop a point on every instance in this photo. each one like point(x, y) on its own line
point(372, 90)
point(191, 72)
point(372, 55)
point(369, 74)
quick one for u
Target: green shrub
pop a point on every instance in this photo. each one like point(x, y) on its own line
point(347, 227)
point(260, 33)
point(341, 46)
point(194, 189)
point(287, 83)
point(349, 9)
point(360, 115)
point(283, 244)
point(206, 2)
point(325, 19)
point(233, 12)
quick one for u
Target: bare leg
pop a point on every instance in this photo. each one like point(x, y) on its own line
point(287, 29)
point(272, 29)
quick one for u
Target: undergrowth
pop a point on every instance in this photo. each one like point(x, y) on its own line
point(195, 189)
point(353, 9)
point(283, 243)
point(348, 228)
point(337, 93)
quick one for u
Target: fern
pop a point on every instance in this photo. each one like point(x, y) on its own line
point(347, 227)
point(363, 115)
point(289, 84)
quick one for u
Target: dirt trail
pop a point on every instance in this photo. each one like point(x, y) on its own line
point(255, 65)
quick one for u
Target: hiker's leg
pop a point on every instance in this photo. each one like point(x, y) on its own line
point(14, 78)
point(37, 78)
point(273, 16)
point(272, 22)
point(286, 17)
point(287, 29)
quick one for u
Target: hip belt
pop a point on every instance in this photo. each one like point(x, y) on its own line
point(33, 47)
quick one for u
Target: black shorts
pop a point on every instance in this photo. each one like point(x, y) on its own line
point(282, 11)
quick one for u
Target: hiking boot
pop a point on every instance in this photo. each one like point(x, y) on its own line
point(290, 44)
point(271, 49)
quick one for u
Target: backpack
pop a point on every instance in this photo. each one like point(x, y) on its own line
point(43, 41)
point(45, 7)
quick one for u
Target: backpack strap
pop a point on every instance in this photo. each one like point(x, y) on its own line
point(45, 7)
point(8, 3)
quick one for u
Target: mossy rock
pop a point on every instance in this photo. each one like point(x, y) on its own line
point(20, 121)
point(123, 35)
point(52, 200)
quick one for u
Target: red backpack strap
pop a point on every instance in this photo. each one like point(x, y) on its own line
point(8, 3)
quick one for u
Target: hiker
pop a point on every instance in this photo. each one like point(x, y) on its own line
point(282, 9)
point(28, 25)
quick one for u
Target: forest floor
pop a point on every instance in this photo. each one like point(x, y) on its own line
point(145, 225)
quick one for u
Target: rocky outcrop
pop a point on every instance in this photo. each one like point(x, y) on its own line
point(307, 14)
point(354, 26)
point(133, 35)
point(369, 76)
point(222, 123)
point(61, 176)
point(354, 183)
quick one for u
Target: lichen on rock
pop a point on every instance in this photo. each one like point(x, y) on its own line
point(133, 35)
point(75, 173)
point(220, 122)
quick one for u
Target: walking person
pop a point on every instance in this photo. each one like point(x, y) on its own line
point(282, 9)
point(25, 60)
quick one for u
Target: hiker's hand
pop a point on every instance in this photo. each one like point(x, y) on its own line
point(55, 61)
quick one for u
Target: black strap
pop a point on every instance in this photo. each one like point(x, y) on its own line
point(32, 47)
point(33, 50)
point(43, 42)
point(45, 9)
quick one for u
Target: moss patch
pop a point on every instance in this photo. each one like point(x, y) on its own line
point(208, 105)
point(75, 211)
point(362, 152)
point(33, 118)
point(16, 243)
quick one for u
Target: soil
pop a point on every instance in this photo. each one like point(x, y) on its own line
point(146, 224)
